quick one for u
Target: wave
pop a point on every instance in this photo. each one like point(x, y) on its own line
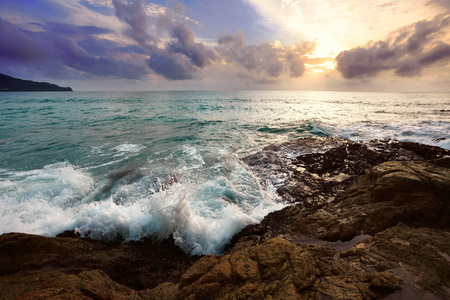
point(201, 205)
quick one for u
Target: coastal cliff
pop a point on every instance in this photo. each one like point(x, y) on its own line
point(11, 84)
point(368, 220)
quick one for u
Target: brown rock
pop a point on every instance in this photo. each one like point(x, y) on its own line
point(315, 170)
point(279, 269)
point(407, 261)
point(424, 252)
point(29, 261)
point(164, 291)
point(415, 193)
point(202, 266)
point(93, 284)
point(276, 268)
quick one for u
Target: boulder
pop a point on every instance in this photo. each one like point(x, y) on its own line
point(415, 193)
point(29, 261)
point(314, 171)
point(93, 284)
point(280, 269)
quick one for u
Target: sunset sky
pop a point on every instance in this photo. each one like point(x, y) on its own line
point(371, 45)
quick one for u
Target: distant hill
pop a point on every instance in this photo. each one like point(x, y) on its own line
point(11, 84)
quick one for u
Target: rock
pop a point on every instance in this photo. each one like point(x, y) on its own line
point(93, 284)
point(367, 222)
point(315, 170)
point(29, 261)
point(419, 255)
point(400, 207)
point(279, 269)
point(275, 164)
point(415, 193)
point(276, 268)
point(164, 291)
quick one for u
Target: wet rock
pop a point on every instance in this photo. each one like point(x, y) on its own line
point(415, 193)
point(315, 170)
point(274, 164)
point(164, 291)
point(399, 207)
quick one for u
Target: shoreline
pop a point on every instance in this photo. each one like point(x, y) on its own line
point(336, 197)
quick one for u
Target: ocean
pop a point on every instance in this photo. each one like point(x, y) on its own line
point(131, 165)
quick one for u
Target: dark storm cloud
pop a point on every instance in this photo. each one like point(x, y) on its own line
point(296, 68)
point(98, 46)
point(407, 51)
point(78, 58)
point(183, 41)
point(172, 66)
point(164, 45)
point(17, 45)
point(441, 3)
point(133, 14)
point(63, 28)
point(182, 54)
point(54, 54)
point(264, 62)
point(181, 57)
point(439, 52)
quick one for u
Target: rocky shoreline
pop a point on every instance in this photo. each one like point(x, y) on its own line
point(368, 220)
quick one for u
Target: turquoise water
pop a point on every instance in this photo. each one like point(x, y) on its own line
point(168, 163)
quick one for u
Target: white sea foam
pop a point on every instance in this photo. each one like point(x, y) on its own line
point(201, 212)
point(433, 133)
point(55, 183)
point(36, 201)
point(123, 149)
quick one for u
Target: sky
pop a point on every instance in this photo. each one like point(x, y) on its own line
point(353, 45)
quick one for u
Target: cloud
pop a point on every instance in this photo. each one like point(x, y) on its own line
point(54, 54)
point(443, 80)
point(104, 7)
point(133, 14)
point(99, 46)
point(20, 47)
point(69, 29)
point(296, 68)
point(183, 42)
point(143, 39)
point(172, 66)
point(406, 51)
point(441, 3)
point(264, 62)
point(180, 57)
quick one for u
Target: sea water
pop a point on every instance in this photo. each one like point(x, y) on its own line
point(131, 165)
